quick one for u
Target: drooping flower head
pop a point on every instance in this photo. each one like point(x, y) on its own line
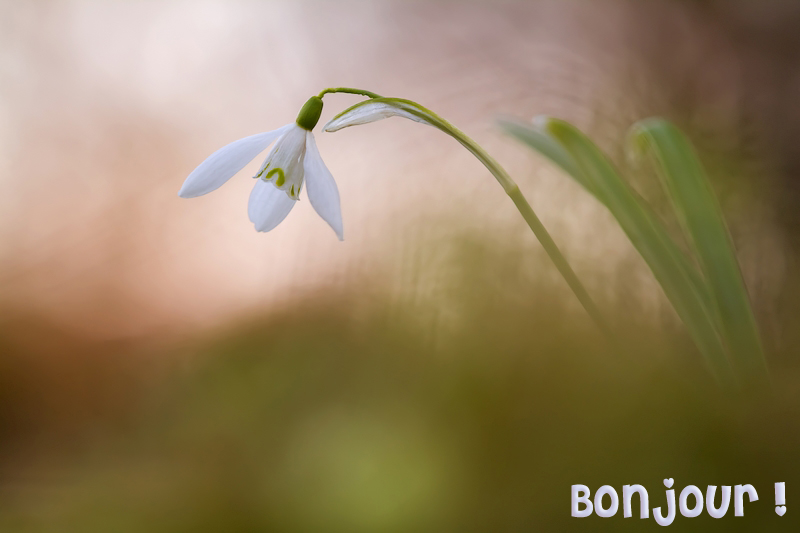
point(292, 161)
point(295, 160)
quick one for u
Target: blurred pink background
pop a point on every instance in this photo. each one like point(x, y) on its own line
point(106, 107)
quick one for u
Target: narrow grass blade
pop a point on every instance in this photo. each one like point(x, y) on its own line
point(700, 215)
point(685, 291)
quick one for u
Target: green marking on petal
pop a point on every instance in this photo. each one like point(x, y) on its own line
point(281, 179)
point(291, 191)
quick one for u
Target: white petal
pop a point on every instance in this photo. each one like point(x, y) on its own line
point(284, 163)
point(322, 191)
point(372, 110)
point(220, 166)
point(268, 205)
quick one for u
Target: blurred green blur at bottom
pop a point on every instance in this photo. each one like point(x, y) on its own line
point(473, 410)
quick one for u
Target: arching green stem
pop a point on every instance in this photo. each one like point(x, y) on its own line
point(512, 190)
point(348, 90)
point(413, 110)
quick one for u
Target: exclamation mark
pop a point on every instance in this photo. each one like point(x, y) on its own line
point(780, 498)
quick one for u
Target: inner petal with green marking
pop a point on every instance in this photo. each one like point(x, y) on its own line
point(284, 164)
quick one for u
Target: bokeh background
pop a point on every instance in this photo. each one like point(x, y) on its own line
point(163, 367)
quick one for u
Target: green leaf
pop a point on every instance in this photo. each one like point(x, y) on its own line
point(543, 143)
point(685, 289)
point(701, 217)
point(547, 145)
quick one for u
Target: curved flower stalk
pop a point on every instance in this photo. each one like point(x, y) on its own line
point(293, 161)
point(377, 108)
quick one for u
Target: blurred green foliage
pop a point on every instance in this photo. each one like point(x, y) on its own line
point(472, 410)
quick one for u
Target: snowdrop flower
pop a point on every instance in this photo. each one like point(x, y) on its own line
point(292, 161)
point(295, 159)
